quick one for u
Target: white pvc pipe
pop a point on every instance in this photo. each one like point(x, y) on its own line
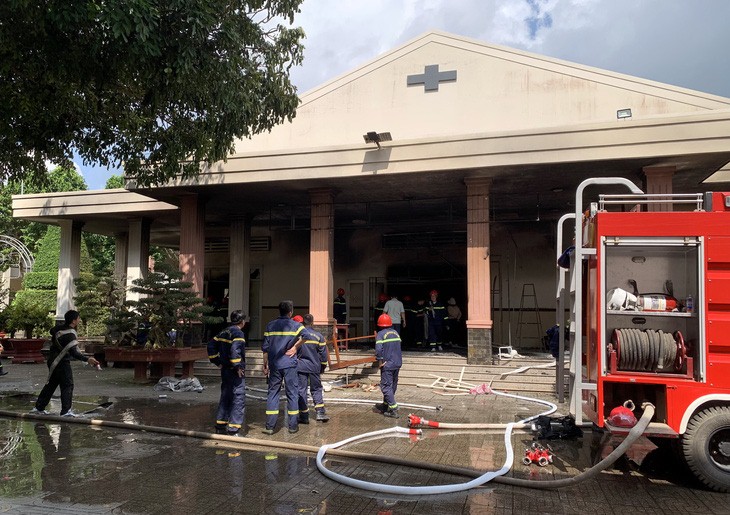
point(435, 489)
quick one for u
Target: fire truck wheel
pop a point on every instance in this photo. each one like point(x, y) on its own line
point(706, 447)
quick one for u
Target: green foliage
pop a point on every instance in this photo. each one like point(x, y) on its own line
point(96, 298)
point(166, 304)
point(46, 298)
point(102, 252)
point(114, 182)
point(146, 85)
point(31, 314)
point(40, 280)
point(49, 249)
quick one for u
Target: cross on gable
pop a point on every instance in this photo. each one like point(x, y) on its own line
point(431, 77)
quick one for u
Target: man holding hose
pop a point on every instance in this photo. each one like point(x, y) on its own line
point(64, 346)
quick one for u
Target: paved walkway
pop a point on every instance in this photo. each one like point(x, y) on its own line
point(71, 468)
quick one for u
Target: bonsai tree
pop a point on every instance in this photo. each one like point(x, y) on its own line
point(30, 314)
point(165, 312)
point(95, 300)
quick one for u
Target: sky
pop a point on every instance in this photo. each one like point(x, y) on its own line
point(679, 42)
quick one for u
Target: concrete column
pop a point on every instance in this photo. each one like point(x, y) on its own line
point(240, 264)
point(479, 323)
point(68, 266)
point(321, 258)
point(658, 181)
point(120, 257)
point(192, 241)
point(138, 250)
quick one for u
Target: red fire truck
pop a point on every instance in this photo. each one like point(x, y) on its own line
point(649, 301)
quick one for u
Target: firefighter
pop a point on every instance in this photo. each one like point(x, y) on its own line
point(313, 360)
point(378, 309)
point(64, 346)
point(282, 340)
point(388, 354)
point(421, 325)
point(227, 352)
point(339, 308)
point(435, 314)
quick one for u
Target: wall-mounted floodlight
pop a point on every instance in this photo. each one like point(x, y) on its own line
point(377, 138)
point(623, 113)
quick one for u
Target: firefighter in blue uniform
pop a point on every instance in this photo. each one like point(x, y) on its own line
point(227, 352)
point(282, 340)
point(436, 314)
point(312, 362)
point(339, 307)
point(388, 354)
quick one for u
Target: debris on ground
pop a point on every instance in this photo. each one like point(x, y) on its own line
point(188, 384)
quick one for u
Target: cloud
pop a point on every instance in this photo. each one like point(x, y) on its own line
point(666, 41)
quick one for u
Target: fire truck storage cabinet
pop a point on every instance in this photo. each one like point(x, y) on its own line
point(649, 340)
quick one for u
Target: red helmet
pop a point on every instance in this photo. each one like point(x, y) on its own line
point(407, 298)
point(382, 297)
point(384, 320)
point(340, 291)
point(298, 318)
point(434, 292)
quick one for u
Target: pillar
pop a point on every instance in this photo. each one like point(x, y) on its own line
point(138, 250)
point(239, 266)
point(120, 257)
point(479, 323)
point(658, 181)
point(321, 256)
point(69, 261)
point(192, 241)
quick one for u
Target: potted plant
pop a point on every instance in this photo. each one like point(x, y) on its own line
point(163, 326)
point(32, 316)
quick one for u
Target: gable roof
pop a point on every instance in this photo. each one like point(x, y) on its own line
point(495, 89)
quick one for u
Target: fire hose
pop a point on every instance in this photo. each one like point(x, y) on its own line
point(433, 489)
point(633, 435)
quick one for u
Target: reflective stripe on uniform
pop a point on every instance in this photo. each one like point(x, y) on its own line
point(282, 333)
point(272, 412)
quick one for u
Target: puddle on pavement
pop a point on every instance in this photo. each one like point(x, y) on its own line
point(128, 471)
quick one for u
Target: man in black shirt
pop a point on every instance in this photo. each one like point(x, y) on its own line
point(64, 346)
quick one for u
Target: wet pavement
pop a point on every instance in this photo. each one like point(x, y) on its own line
point(51, 467)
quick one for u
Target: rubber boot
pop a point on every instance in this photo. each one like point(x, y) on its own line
point(322, 416)
point(392, 413)
point(381, 407)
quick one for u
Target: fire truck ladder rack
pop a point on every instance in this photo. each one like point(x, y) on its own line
point(562, 300)
point(695, 199)
point(577, 386)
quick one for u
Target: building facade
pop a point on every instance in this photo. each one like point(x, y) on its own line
point(443, 164)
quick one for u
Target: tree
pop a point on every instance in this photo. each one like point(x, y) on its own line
point(166, 311)
point(114, 182)
point(146, 85)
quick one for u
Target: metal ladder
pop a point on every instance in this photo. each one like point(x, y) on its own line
point(528, 294)
point(580, 389)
